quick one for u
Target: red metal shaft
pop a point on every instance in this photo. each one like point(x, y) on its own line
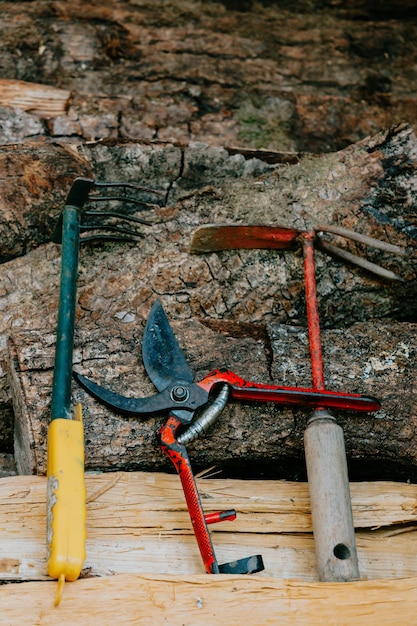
point(313, 321)
point(179, 457)
point(220, 516)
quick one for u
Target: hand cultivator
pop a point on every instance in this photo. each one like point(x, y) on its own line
point(66, 492)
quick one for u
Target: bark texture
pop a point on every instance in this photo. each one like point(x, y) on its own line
point(368, 358)
point(230, 306)
point(235, 112)
point(312, 76)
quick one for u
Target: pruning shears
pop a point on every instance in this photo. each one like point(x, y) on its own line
point(195, 405)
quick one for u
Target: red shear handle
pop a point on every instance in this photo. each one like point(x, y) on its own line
point(301, 396)
point(177, 453)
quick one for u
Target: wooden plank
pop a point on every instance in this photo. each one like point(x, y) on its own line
point(43, 100)
point(206, 600)
point(138, 523)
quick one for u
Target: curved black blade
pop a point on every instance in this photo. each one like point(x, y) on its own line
point(193, 397)
point(163, 359)
point(117, 402)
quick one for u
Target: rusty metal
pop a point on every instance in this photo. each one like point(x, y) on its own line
point(313, 321)
point(216, 237)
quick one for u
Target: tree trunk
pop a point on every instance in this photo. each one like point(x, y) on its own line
point(371, 358)
point(236, 295)
point(129, 93)
point(311, 76)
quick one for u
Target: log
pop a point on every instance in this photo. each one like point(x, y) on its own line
point(370, 358)
point(137, 521)
point(243, 286)
point(266, 77)
point(34, 182)
point(366, 188)
point(204, 600)
point(234, 294)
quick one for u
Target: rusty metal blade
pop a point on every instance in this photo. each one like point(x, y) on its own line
point(214, 237)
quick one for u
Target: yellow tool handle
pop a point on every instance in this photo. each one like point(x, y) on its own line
point(66, 497)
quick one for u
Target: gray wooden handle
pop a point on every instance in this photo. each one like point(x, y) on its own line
point(331, 510)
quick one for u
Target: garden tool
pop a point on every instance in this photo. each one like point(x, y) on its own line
point(217, 237)
point(66, 511)
point(182, 398)
point(325, 454)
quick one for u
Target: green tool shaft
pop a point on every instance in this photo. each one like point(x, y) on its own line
point(61, 386)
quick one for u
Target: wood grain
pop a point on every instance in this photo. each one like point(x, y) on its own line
point(138, 523)
point(206, 600)
point(43, 100)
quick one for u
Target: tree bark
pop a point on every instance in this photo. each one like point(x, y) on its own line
point(369, 187)
point(310, 76)
point(34, 181)
point(235, 294)
point(369, 358)
point(266, 82)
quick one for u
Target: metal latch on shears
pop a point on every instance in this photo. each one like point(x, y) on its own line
point(180, 397)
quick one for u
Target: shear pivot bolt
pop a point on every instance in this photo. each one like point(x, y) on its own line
point(180, 393)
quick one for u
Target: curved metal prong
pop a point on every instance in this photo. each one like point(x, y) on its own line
point(345, 255)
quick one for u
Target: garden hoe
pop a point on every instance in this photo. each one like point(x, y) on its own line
point(324, 441)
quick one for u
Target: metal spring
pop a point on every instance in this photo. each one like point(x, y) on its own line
point(207, 418)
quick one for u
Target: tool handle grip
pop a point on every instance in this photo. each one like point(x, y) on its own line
point(331, 511)
point(241, 389)
point(66, 499)
point(177, 453)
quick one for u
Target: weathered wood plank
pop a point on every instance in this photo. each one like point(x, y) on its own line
point(44, 100)
point(138, 523)
point(207, 600)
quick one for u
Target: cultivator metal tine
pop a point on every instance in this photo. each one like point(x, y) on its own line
point(106, 224)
